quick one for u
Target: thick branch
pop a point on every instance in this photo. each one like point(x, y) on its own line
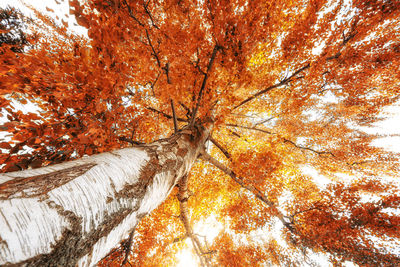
point(220, 147)
point(176, 128)
point(238, 180)
point(183, 197)
point(203, 85)
point(283, 82)
point(255, 191)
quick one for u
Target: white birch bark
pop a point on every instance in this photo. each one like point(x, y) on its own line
point(74, 213)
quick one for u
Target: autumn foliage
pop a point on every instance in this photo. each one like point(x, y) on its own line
point(292, 86)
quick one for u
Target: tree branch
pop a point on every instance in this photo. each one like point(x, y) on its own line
point(176, 128)
point(283, 82)
point(183, 197)
point(188, 111)
point(255, 191)
point(145, 5)
point(263, 121)
point(303, 211)
point(165, 114)
point(166, 70)
point(235, 134)
point(157, 57)
point(203, 85)
point(132, 15)
point(179, 239)
point(132, 142)
point(153, 84)
point(284, 139)
point(131, 93)
point(152, 48)
point(308, 148)
point(127, 248)
point(249, 128)
point(220, 147)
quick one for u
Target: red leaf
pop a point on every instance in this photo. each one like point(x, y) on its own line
point(5, 145)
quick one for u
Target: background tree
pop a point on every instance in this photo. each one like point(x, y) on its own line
point(289, 84)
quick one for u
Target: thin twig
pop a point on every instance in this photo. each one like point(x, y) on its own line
point(283, 82)
point(249, 128)
point(284, 139)
point(155, 54)
point(303, 211)
point(165, 114)
point(244, 115)
point(263, 121)
point(188, 111)
point(132, 142)
point(235, 134)
point(308, 148)
point(130, 91)
point(145, 5)
point(132, 15)
point(346, 39)
point(153, 84)
point(179, 239)
point(166, 70)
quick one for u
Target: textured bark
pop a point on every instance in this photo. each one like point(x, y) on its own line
point(74, 213)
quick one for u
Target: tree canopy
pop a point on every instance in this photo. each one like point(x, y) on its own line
point(289, 172)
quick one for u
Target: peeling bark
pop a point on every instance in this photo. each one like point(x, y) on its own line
point(74, 213)
point(41, 184)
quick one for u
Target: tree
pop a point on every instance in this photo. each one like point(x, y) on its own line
point(258, 92)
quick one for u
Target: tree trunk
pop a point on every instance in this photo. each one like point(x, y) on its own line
point(74, 213)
